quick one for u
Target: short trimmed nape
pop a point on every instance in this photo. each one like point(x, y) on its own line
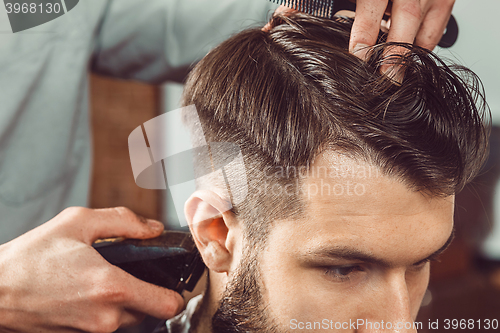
point(286, 95)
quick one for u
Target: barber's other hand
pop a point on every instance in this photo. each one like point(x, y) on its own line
point(52, 280)
point(421, 22)
point(411, 21)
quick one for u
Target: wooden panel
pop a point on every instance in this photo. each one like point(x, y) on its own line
point(118, 107)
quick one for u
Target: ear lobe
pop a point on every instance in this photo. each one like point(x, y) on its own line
point(209, 218)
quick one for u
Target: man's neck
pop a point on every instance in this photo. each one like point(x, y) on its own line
point(202, 318)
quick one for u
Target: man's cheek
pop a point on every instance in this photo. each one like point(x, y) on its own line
point(417, 289)
point(296, 297)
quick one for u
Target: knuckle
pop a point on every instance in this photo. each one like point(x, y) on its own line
point(72, 214)
point(122, 210)
point(171, 309)
point(410, 9)
point(364, 33)
point(124, 213)
point(75, 211)
point(106, 322)
point(173, 306)
point(111, 292)
point(129, 215)
point(107, 288)
point(414, 9)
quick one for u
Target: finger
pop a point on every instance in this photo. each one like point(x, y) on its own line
point(405, 23)
point(131, 318)
point(91, 225)
point(153, 300)
point(366, 26)
point(406, 18)
point(122, 222)
point(284, 9)
point(280, 10)
point(434, 24)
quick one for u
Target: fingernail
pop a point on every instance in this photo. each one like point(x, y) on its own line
point(155, 225)
point(360, 50)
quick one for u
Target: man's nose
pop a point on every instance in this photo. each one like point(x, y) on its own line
point(390, 311)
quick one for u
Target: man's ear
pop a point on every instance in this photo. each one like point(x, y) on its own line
point(214, 228)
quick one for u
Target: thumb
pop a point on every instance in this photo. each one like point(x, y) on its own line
point(114, 222)
point(280, 10)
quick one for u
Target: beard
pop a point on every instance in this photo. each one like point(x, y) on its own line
point(242, 307)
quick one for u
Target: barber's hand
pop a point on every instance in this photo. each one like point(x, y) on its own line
point(411, 21)
point(52, 280)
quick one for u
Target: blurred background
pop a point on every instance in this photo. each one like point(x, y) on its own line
point(465, 284)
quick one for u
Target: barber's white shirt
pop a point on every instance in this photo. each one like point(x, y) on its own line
point(45, 151)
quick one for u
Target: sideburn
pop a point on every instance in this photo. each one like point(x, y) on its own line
point(242, 308)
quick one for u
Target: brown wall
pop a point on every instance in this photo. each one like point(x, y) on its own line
point(118, 107)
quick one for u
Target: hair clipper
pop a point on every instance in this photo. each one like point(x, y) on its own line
point(170, 260)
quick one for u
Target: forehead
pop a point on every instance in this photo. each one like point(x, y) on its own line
point(351, 202)
point(348, 186)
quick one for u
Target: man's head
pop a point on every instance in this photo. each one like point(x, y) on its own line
point(350, 176)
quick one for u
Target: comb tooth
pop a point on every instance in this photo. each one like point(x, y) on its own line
point(330, 9)
point(321, 8)
point(315, 7)
point(308, 7)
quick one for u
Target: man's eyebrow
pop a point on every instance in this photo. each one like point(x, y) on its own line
point(349, 253)
point(436, 254)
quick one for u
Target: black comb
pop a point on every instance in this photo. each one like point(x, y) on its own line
point(328, 8)
point(321, 8)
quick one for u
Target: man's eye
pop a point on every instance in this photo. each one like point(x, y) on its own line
point(342, 273)
point(421, 265)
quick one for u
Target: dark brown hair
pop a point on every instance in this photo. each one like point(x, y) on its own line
point(288, 94)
